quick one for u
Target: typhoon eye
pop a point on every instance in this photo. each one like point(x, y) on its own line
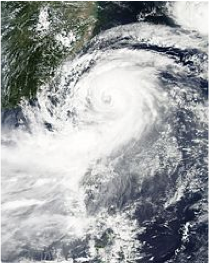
point(106, 98)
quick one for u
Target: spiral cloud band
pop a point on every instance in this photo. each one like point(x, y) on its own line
point(115, 139)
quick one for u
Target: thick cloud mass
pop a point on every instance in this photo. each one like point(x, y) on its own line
point(109, 163)
point(192, 15)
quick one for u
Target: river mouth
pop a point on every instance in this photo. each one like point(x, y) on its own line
point(109, 163)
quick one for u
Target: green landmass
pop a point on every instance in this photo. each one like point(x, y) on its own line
point(30, 54)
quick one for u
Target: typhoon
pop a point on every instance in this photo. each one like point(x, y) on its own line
point(109, 163)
